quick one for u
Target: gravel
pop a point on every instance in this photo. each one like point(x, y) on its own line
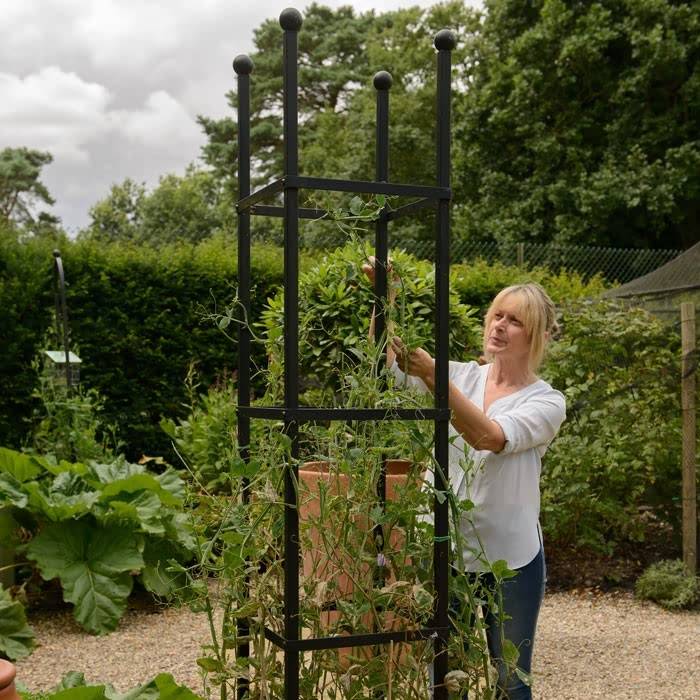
point(589, 646)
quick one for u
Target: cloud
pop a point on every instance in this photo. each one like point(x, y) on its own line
point(163, 123)
point(52, 110)
point(112, 87)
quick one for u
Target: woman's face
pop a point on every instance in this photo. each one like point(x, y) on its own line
point(506, 335)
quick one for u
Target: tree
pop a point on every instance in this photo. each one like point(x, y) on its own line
point(339, 52)
point(118, 216)
point(20, 187)
point(181, 208)
point(581, 124)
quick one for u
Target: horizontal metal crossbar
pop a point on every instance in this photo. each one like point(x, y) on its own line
point(407, 209)
point(304, 213)
point(272, 188)
point(308, 213)
point(308, 415)
point(355, 640)
point(367, 187)
point(360, 186)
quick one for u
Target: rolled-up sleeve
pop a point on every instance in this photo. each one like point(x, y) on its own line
point(534, 423)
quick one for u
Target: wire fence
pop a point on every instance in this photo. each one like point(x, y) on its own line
point(618, 265)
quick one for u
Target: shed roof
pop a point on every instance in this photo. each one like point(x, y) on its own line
point(677, 275)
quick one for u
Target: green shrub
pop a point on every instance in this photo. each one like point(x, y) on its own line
point(67, 423)
point(138, 316)
point(206, 438)
point(669, 584)
point(335, 306)
point(619, 448)
point(478, 282)
point(16, 637)
point(26, 300)
point(94, 525)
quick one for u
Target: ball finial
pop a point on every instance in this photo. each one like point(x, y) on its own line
point(291, 19)
point(383, 80)
point(445, 40)
point(243, 65)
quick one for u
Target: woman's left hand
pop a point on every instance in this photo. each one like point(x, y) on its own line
point(417, 363)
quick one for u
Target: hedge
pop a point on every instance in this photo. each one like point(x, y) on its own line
point(137, 318)
point(138, 321)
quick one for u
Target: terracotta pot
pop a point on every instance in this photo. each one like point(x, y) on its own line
point(314, 476)
point(327, 559)
point(7, 681)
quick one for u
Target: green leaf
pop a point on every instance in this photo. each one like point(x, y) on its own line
point(168, 689)
point(143, 510)
point(168, 426)
point(158, 575)
point(241, 468)
point(59, 501)
point(21, 466)
point(16, 637)
point(11, 491)
point(356, 206)
point(93, 565)
point(171, 482)
point(139, 482)
point(501, 571)
point(178, 528)
point(82, 692)
point(510, 653)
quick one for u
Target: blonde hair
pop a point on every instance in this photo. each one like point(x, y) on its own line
point(538, 316)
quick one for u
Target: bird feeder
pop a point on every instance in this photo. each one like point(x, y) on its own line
point(62, 368)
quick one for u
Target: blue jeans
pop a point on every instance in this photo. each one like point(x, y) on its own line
point(522, 598)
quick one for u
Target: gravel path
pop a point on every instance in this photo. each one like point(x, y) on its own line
point(589, 646)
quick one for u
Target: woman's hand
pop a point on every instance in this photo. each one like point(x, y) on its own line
point(417, 363)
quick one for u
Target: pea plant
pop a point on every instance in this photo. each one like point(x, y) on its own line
point(366, 564)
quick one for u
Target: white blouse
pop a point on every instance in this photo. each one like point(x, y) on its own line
point(503, 486)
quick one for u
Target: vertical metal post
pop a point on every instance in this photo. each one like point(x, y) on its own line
point(445, 41)
point(688, 365)
point(382, 83)
point(62, 331)
point(290, 21)
point(243, 66)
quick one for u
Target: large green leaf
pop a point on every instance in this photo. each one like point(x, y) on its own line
point(157, 575)
point(144, 510)
point(113, 471)
point(81, 692)
point(179, 529)
point(93, 564)
point(23, 467)
point(64, 499)
point(11, 491)
point(16, 637)
point(162, 687)
point(139, 482)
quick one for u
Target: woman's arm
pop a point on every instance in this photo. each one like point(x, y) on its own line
point(475, 427)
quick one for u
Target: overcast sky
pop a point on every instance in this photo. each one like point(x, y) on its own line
point(112, 88)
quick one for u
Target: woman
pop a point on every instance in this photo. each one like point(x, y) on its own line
point(503, 419)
